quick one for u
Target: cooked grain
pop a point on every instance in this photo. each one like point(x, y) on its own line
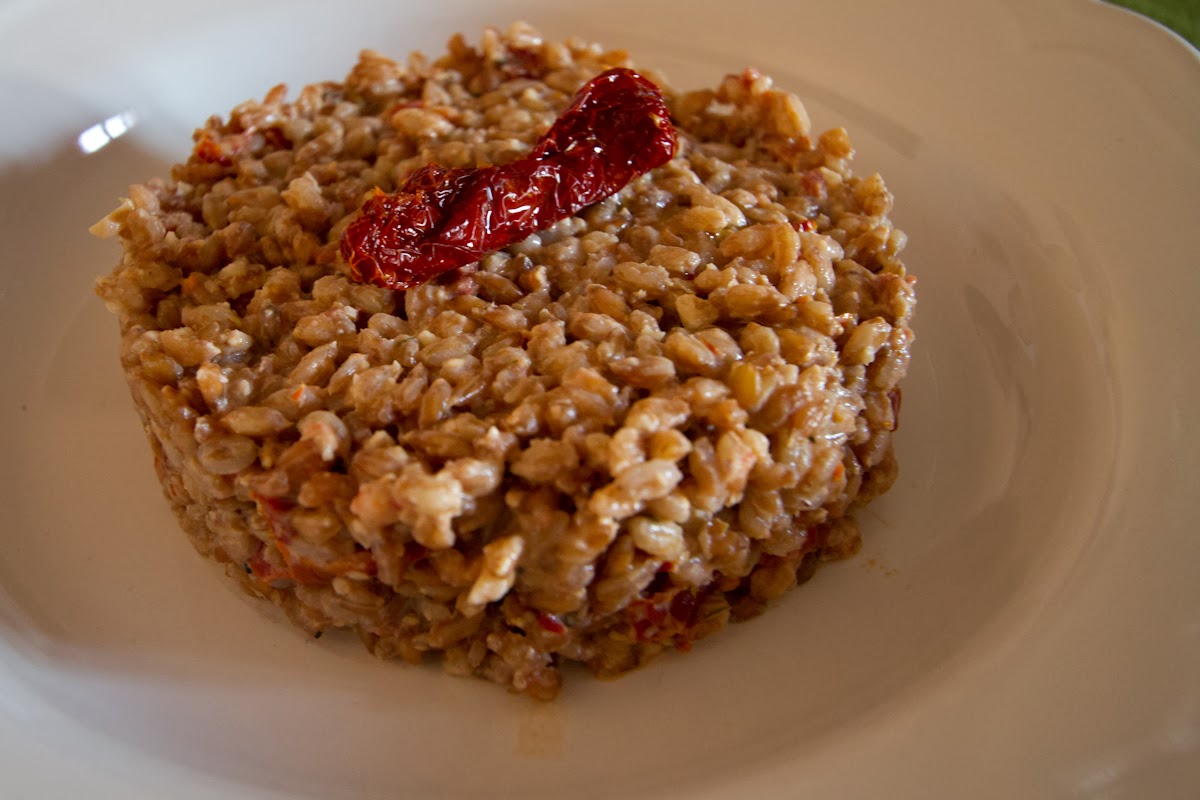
point(608, 440)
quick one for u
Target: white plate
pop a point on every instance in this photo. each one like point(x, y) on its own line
point(1024, 620)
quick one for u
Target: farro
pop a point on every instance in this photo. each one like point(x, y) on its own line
point(605, 441)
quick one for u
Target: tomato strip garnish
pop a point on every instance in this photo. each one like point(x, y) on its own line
point(441, 219)
point(298, 568)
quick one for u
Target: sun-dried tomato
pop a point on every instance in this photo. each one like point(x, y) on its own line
point(299, 569)
point(668, 617)
point(268, 575)
point(210, 152)
point(441, 219)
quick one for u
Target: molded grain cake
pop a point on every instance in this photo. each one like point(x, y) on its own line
point(606, 438)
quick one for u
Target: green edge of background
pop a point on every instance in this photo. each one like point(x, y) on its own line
point(1181, 16)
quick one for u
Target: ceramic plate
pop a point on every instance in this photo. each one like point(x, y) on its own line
point(1024, 620)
